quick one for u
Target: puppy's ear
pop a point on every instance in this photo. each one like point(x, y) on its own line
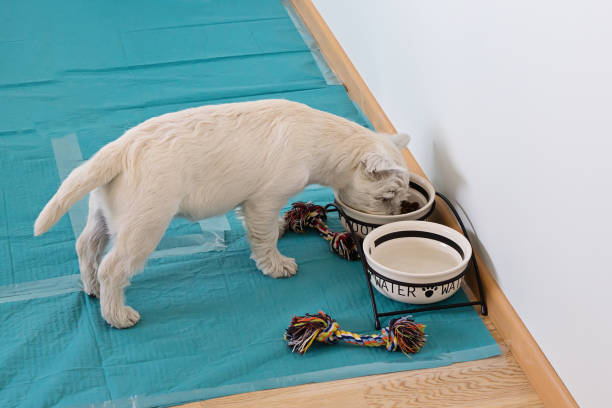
point(376, 165)
point(401, 140)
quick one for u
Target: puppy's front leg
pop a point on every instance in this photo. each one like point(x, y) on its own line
point(262, 224)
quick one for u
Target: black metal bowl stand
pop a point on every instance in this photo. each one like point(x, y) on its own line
point(358, 226)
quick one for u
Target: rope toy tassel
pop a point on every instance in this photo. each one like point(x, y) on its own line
point(402, 334)
point(309, 215)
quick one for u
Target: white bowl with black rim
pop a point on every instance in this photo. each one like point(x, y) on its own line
point(416, 262)
point(420, 190)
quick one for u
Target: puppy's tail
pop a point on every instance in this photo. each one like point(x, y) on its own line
point(101, 169)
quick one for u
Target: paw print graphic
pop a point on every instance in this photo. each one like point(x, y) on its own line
point(429, 290)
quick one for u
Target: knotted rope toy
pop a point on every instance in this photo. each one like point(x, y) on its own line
point(402, 334)
point(308, 215)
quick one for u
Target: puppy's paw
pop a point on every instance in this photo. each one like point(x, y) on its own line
point(121, 317)
point(285, 268)
point(277, 266)
point(91, 287)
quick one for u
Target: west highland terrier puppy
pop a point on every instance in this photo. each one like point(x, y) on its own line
point(203, 162)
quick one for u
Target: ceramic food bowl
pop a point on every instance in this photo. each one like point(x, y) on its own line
point(416, 262)
point(421, 191)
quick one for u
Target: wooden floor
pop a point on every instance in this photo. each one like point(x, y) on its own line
point(492, 382)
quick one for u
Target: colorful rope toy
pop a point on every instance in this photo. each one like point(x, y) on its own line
point(402, 334)
point(310, 215)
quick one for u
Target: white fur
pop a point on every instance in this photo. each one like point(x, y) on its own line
point(205, 161)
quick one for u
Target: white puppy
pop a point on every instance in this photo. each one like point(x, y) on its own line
point(205, 161)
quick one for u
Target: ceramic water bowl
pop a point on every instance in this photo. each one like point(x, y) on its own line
point(421, 191)
point(416, 261)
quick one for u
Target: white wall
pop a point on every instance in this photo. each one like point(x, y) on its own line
point(510, 107)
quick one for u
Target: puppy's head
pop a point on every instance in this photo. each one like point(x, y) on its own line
point(381, 182)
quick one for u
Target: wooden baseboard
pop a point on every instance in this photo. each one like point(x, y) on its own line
point(534, 363)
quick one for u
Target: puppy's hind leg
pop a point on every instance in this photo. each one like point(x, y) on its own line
point(90, 245)
point(263, 231)
point(137, 237)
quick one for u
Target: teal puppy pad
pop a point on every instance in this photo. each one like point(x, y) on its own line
point(212, 325)
point(73, 77)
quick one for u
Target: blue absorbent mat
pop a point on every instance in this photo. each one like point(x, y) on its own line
point(75, 75)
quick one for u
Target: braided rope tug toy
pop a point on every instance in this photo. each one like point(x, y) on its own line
point(402, 334)
point(309, 215)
